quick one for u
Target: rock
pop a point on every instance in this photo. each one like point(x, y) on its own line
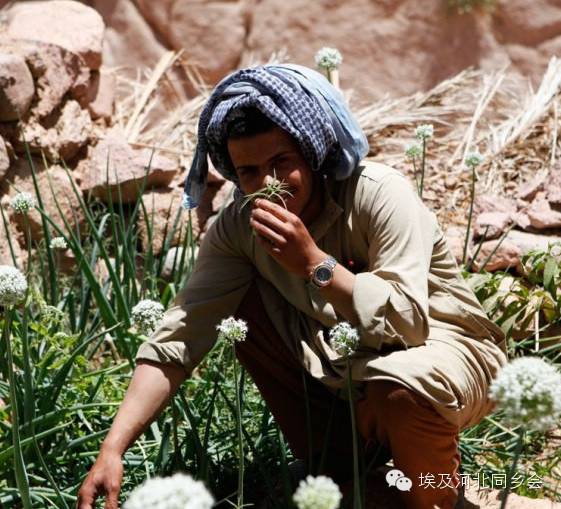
point(542, 216)
point(528, 190)
point(10, 239)
point(101, 95)
point(493, 203)
point(553, 186)
point(173, 260)
point(71, 25)
point(162, 208)
point(4, 159)
point(199, 28)
point(506, 256)
point(16, 87)
point(126, 169)
point(515, 245)
point(494, 223)
point(224, 196)
point(54, 70)
point(54, 185)
point(517, 21)
point(527, 242)
point(70, 133)
point(455, 237)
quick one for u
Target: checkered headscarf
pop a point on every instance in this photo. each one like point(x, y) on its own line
point(299, 100)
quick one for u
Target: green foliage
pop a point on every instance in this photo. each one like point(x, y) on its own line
point(73, 355)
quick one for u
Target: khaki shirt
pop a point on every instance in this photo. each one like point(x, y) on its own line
point(419, 323)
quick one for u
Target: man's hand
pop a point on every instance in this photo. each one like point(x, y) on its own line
point(285, 237)
point(104, 478)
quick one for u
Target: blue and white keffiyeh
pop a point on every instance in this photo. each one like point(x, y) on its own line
point(299, 100)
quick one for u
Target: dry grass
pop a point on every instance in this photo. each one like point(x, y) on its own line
point(513, 126)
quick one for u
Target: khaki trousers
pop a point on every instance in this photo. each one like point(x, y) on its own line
point(393, 421)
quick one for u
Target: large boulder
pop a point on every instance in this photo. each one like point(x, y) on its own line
point(162, 209)
point(54, 70)
point(16, 87)
point(114, 167)
point(64, 139)
point(212, 34)
point(68, 24)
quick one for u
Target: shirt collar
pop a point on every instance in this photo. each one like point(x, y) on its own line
point(331, 211)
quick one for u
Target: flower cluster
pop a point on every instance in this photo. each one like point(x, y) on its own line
point(179, 491)
point(528, 390)
point(344, 338)
point(317, 493)
point(413, 151)
point(58, 243)
point(146, 315)
point(555, 251)
point(424, 132)
point(328, 58)
point(473, 159)
point(22, 203)
point(13, 286)
point(232, 330)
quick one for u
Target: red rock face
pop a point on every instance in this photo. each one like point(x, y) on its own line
point(392, 47)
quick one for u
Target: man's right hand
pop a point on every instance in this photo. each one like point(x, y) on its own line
point(151, 387)
point(104, 479)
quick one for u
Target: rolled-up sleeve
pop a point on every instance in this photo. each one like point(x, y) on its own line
point(221, 275)
point(391, 298)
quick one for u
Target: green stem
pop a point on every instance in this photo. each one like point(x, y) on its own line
point(240, 433)
point(517, 451)
point(423, 168)
point(19, 465)
point(357, 502)
point(466, 241)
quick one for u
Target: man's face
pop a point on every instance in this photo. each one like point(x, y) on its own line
point(255, 157)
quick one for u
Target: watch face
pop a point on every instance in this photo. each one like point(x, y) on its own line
point(323, 274)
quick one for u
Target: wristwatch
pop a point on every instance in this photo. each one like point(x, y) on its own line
point(322, 274)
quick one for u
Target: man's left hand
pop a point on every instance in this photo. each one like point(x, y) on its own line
point(285, 237)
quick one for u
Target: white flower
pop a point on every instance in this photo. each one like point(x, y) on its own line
point(22, 203)
point(232, 330)
point(555, 251)
point(13, 285)
point(528, 390)
point(328, 58)
point(413, 150)
point(473, 159)
point(58, 243)
point(424, 132)
point(146, 315)
point(317, 493)
point(344, 338)
point(179, 491)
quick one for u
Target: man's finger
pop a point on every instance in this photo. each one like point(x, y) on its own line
point(274, 208)
point(112, 500)
point(86, 500)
